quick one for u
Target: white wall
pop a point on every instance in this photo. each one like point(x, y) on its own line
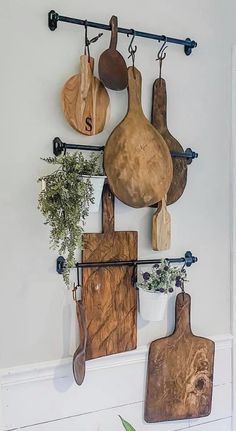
point(36, 312)
point(44, 397)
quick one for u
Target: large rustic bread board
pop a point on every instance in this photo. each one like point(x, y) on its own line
point(108, 293)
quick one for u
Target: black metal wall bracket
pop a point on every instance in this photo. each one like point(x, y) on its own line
point(59, 147)
point(188, 260)
point(54, 17)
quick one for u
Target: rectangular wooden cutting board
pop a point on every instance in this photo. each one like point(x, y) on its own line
point(180, 372)
point(108, 295)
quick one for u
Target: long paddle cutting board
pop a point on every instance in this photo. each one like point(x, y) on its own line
point(108, 295)
point(159, 121)
point(180, 372)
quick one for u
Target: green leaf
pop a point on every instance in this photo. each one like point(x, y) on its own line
point(126, 424)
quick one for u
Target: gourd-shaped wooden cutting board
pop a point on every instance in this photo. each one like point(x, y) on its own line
point(136, 158)
point(159, 121)
point(85, 100)
point(108, 294)
point(180, 372)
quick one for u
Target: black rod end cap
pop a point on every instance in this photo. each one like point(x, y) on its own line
point(52, 20)
point(189, 47)
point(60, 266)
point(189, 258)
point(58, 146)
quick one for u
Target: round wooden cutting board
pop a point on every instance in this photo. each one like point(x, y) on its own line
point(85, 101)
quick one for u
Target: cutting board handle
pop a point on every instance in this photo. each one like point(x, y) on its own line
point(86, 68)
point(134, 90)
point(182, 314)
point(107, 210)
point(114, 26)
point(159, 104)
point(161, 227)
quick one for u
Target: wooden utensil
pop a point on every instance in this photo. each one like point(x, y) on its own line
point(161, 227)
point(79, 355)
point(85, 100)
point(136, 158)
point(159, 121)
point(112, 68)
point(180, 371)
point(108, 295)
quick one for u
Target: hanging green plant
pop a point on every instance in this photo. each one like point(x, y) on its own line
point(64, 202)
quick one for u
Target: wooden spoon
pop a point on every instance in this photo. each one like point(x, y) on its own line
point(161, 227)
point(85, 100)
point(136, 158)
point(79, 355)
point(112, 68)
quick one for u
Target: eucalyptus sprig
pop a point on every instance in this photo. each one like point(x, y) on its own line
point(64, 202)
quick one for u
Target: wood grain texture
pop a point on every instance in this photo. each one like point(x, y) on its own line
point(180, 372)
point(85, 101)
point(112, 68)
point(159, 121)
point(108, 294)
point(161, 227)
point(136, 158)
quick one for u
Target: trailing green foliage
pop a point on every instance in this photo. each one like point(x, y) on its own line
point(64, 202)
point(126, 425)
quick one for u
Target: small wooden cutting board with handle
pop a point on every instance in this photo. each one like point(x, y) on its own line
point(112, 68)
point(159, 121)
point(85, 101)
point(180, 372)
point(108, 294)
point(161, 227)
point(136, 158)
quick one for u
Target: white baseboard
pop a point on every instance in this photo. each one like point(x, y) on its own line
point(44, 396)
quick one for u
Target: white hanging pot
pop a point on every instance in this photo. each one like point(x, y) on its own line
point(152, 305)
point(97, 183)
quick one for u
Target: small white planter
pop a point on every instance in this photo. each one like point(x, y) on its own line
point(152, 305)
point(97, 183)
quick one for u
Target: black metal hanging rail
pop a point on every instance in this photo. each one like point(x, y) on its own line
point(188, 260)
point(59, 147)
point(54, 17)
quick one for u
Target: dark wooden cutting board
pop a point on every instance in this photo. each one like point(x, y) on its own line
point(108, 295)
point(180, 372)
point(159, 121)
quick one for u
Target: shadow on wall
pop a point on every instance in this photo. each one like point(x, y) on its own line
point(171, 315)
point(63, 383)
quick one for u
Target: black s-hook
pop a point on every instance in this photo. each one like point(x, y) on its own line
point(132, 50)
point(161, 55)
point(87, 42)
